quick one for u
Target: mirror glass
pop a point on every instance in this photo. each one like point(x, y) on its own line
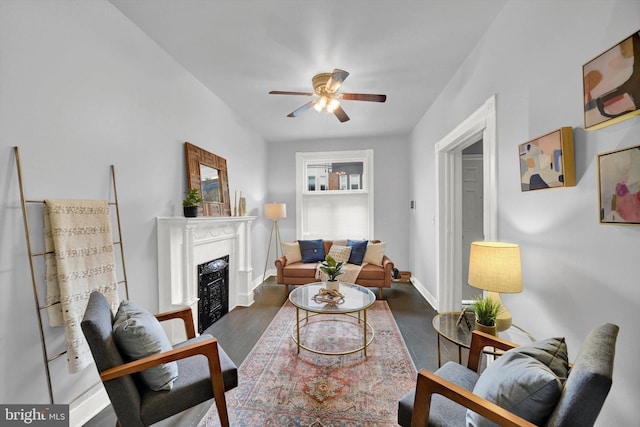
point(210, 184)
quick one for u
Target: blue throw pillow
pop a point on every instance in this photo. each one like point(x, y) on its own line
point(311, 250)
point(138, 334)
point(358, 249)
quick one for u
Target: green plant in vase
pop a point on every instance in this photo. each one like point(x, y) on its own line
point(191, 202)
point(332, 269)
point(486, 311)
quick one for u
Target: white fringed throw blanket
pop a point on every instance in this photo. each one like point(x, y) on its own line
point(79, 260)
point(349, 275)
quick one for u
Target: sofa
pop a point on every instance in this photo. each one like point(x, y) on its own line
point(299, 262)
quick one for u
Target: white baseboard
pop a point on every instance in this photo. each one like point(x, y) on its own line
point(270, 272)
point(433, 301)
point(88, 406)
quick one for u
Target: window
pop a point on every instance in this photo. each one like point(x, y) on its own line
point(334, 176)
point(334, 196)
point(342, 182)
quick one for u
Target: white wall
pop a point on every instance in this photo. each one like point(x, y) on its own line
point(577, 273)
point(83, 88)
point(391, 183)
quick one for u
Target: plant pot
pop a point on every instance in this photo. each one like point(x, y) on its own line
point(333, 285)
point(492, 330)
point(190, 211)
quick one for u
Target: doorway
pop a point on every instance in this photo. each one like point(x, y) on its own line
point(472, 211)
point(479, 126)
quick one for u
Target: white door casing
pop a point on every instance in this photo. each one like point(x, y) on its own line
point(481, 125)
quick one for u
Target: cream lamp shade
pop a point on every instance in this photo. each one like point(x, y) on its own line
point(495, 267)
point(275, 211)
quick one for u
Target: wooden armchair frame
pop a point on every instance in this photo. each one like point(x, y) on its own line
point(429, 384)
point(207, 348)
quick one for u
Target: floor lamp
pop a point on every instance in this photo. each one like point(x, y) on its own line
point(274, 212)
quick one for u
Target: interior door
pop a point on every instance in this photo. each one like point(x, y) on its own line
point(472, 214)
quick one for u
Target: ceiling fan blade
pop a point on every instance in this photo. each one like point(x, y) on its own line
point(336, 79)
point(363, 97)
point(340, 114)
point(300, 110)
point(282, 92)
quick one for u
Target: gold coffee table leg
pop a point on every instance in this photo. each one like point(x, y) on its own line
point(364, 344)
point(298, 328)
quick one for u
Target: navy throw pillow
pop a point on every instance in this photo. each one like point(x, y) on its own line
point(311, 250)
point(358, 249)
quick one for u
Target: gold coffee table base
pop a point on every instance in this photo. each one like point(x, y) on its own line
point(367, 338)
point(354, 302)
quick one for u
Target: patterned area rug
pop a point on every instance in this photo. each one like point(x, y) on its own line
point(278, 387)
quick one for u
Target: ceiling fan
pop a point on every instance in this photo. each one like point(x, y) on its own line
point(325, 91)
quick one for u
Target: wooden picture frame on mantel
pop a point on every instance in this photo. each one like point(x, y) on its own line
point(208, 173)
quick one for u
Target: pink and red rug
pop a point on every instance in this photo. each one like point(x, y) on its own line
point(278, 387)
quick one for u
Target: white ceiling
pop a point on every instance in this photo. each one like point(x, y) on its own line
point(242, 49)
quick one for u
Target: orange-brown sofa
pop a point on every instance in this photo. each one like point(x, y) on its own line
point(300, 273)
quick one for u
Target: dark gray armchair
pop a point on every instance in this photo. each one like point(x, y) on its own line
point(442, 398)
point(205, 370)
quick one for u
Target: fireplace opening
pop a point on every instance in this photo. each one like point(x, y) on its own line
point(213, 291)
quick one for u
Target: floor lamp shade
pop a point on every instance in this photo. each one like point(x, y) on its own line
point(495, 267)
point(275, 211)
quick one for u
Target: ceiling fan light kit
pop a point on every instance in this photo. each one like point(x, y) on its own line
point(325, 89)
point(320, 104)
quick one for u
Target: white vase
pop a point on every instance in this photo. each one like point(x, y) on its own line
point(333, 285)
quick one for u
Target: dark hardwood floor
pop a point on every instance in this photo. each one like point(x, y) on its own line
point(238, 331)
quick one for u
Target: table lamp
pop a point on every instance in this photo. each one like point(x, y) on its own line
point(274, 212)
point(495, 267)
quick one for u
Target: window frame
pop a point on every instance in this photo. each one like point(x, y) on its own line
point(304, 159)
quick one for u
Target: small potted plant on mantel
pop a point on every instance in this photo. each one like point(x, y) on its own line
point(191, 203)
point(332, 269)
point(486, 311)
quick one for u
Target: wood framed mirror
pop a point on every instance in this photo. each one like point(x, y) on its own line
point(208, 173)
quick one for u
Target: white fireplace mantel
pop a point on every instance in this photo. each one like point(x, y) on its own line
point(184, 243)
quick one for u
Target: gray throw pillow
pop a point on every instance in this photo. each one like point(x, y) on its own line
point(526, 381)
point(138, 334)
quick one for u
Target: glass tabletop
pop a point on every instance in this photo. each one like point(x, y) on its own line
point(356, 298)
point(446, 324)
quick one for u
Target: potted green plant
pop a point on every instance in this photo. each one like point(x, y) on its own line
point(191, 203)
point(332, 269)
point(486, 311)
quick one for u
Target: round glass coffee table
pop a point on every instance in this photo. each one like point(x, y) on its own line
point(354, 304)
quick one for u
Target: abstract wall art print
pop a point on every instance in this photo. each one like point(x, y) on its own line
point(611, 83)
point(619, 184)
point(547, 161)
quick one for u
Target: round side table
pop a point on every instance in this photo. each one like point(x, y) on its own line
point(447, 326)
